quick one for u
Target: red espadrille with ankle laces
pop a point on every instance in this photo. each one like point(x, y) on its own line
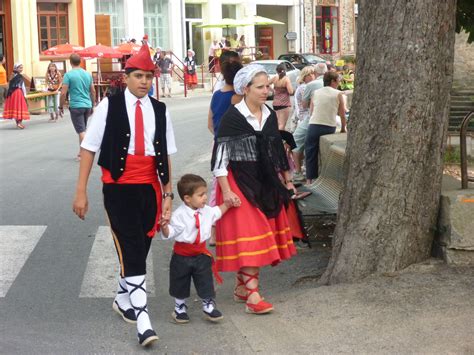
point(239, 298)
point(261, 307)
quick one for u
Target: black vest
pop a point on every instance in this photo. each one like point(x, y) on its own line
point(114, 147)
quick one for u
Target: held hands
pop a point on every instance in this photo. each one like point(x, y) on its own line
point(289, 185)
point(165, 217)
point(166, 213)
point(164, 227)
point(231, 199)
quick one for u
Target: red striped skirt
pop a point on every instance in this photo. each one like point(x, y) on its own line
point(245, 237)
point(15, 107)
point(191, 79)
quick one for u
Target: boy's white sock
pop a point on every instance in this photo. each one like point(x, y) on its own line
point(180, 305)
point(208, 305)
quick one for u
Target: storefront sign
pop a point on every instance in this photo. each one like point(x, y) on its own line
point(291, 36)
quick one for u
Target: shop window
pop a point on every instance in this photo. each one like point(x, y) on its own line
point(155, 17)
point(115, 9)
point(327, 29)
point(53, 24)
point(193, 11)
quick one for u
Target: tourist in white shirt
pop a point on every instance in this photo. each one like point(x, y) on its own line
point(190, 226)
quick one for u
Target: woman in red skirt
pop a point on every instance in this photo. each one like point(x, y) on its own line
point(190, 75)
point(247, 160)
point(15, 104)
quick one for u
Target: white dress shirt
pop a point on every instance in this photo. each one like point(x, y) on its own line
point(96, 127)
point(182, 226)
point(221, 154)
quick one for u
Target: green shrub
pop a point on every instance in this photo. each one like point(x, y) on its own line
point(452, 155)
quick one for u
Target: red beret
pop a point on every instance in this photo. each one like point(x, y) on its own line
point(141, 60)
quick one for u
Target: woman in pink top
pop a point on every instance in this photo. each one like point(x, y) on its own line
point(281, 98)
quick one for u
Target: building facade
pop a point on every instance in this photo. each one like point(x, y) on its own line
point(31, 26)
point(330, 27)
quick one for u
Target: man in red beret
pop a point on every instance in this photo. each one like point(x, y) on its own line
point(135, 137)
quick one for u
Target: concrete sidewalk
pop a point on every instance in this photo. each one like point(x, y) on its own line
point(427, 308)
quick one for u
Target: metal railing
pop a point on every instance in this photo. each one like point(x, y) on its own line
point(465, 178)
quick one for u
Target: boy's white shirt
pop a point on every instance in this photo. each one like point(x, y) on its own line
point(182, 226)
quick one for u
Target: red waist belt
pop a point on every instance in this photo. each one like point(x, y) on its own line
point(140, 169)
point(187, 249)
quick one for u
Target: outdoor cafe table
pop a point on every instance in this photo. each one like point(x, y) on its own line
point(101, 89)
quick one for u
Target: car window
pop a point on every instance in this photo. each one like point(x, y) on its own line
point(270, 68)
point(284, 57)
point(314, 58)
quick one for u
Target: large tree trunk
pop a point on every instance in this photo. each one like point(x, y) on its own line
point(396, 139)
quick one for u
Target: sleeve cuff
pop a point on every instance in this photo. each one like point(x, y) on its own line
point(89, 147)
point(220, 172)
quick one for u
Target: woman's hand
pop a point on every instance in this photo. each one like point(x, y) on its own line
point(230, 198)
point(289, 185)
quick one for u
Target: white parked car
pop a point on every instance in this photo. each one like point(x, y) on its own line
point(270, 67)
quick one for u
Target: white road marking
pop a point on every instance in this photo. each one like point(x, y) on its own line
point(100, 279)
point(16, 244)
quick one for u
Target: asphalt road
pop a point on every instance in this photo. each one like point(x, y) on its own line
point(57, 282)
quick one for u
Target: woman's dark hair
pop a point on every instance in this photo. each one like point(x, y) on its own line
point(188, 184)
point(281, 70)
point(330, 76)
point(226, 56)
point(229, 70)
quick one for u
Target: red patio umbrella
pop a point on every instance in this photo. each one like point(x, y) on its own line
point(63, 49)
point(128, 48)
point(100, 51)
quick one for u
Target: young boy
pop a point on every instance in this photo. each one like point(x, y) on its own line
point(190, 225)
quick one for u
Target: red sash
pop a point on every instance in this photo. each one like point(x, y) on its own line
point(140, 169)
point(187, 249)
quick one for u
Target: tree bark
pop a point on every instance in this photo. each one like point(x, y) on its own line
point(396, 140)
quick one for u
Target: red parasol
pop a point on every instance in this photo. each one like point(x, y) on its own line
point(128, 48)
point(100, 51)
point(63, 49)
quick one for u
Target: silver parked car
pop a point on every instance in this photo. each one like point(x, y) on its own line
point(270, 67)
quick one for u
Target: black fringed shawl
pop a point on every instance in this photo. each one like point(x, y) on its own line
point(15, 83)
point(255, 159)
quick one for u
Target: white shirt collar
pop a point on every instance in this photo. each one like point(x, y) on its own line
point(132, 99)
point(245, 111)
point(190, 210)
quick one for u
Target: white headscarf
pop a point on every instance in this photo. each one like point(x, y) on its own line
point(17, 65)
point(245, 75)
point(192, 52)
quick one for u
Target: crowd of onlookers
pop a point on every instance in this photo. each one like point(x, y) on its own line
point(317, 106)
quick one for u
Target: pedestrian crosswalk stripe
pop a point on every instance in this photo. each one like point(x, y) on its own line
point(16, 244)
point(100, 278)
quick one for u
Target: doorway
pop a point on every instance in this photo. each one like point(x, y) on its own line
point(6, 41)
point(194, 39)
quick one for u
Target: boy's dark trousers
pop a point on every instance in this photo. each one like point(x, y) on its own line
point(199, 268)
